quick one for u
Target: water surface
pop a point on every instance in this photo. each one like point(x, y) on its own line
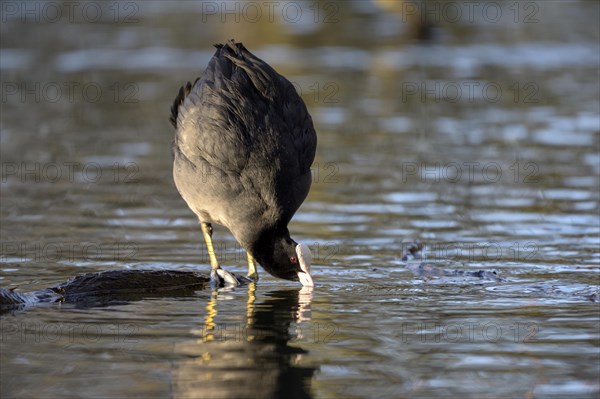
point(481, 143)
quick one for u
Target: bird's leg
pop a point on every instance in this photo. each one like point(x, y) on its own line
point(207, 232)
point(252, 272)
point(218, 276)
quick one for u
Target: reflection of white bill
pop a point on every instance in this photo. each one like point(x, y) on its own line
point(305, 296)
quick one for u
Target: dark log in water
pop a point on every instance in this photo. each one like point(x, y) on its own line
point(114, 285)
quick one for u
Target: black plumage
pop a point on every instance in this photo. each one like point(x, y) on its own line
point(243, 148)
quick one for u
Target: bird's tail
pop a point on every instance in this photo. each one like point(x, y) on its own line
point(259, 72)
point(184, 91)
point(228, 58)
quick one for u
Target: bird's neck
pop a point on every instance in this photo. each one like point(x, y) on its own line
point(262, 247)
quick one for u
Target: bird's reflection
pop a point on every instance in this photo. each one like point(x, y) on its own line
point(253, 360)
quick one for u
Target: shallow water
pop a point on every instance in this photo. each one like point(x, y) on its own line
point(482, 144)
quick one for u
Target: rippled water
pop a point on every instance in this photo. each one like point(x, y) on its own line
point(481, 143)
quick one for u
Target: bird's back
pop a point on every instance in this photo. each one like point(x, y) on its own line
point(244, 143)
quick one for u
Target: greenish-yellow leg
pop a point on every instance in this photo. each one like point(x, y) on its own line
point(217, 275)
point(207, 232)
point(252, 272)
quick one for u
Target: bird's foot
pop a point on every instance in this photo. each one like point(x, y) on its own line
point(222, 278)
point(252, 277)
point(246, 280)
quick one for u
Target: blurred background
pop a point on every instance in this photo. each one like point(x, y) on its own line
point(471, 126)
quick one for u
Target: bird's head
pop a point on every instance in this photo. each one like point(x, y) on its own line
point(286, 259)
point(293, 260)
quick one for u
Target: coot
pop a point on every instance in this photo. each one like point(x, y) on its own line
point(243, 148)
